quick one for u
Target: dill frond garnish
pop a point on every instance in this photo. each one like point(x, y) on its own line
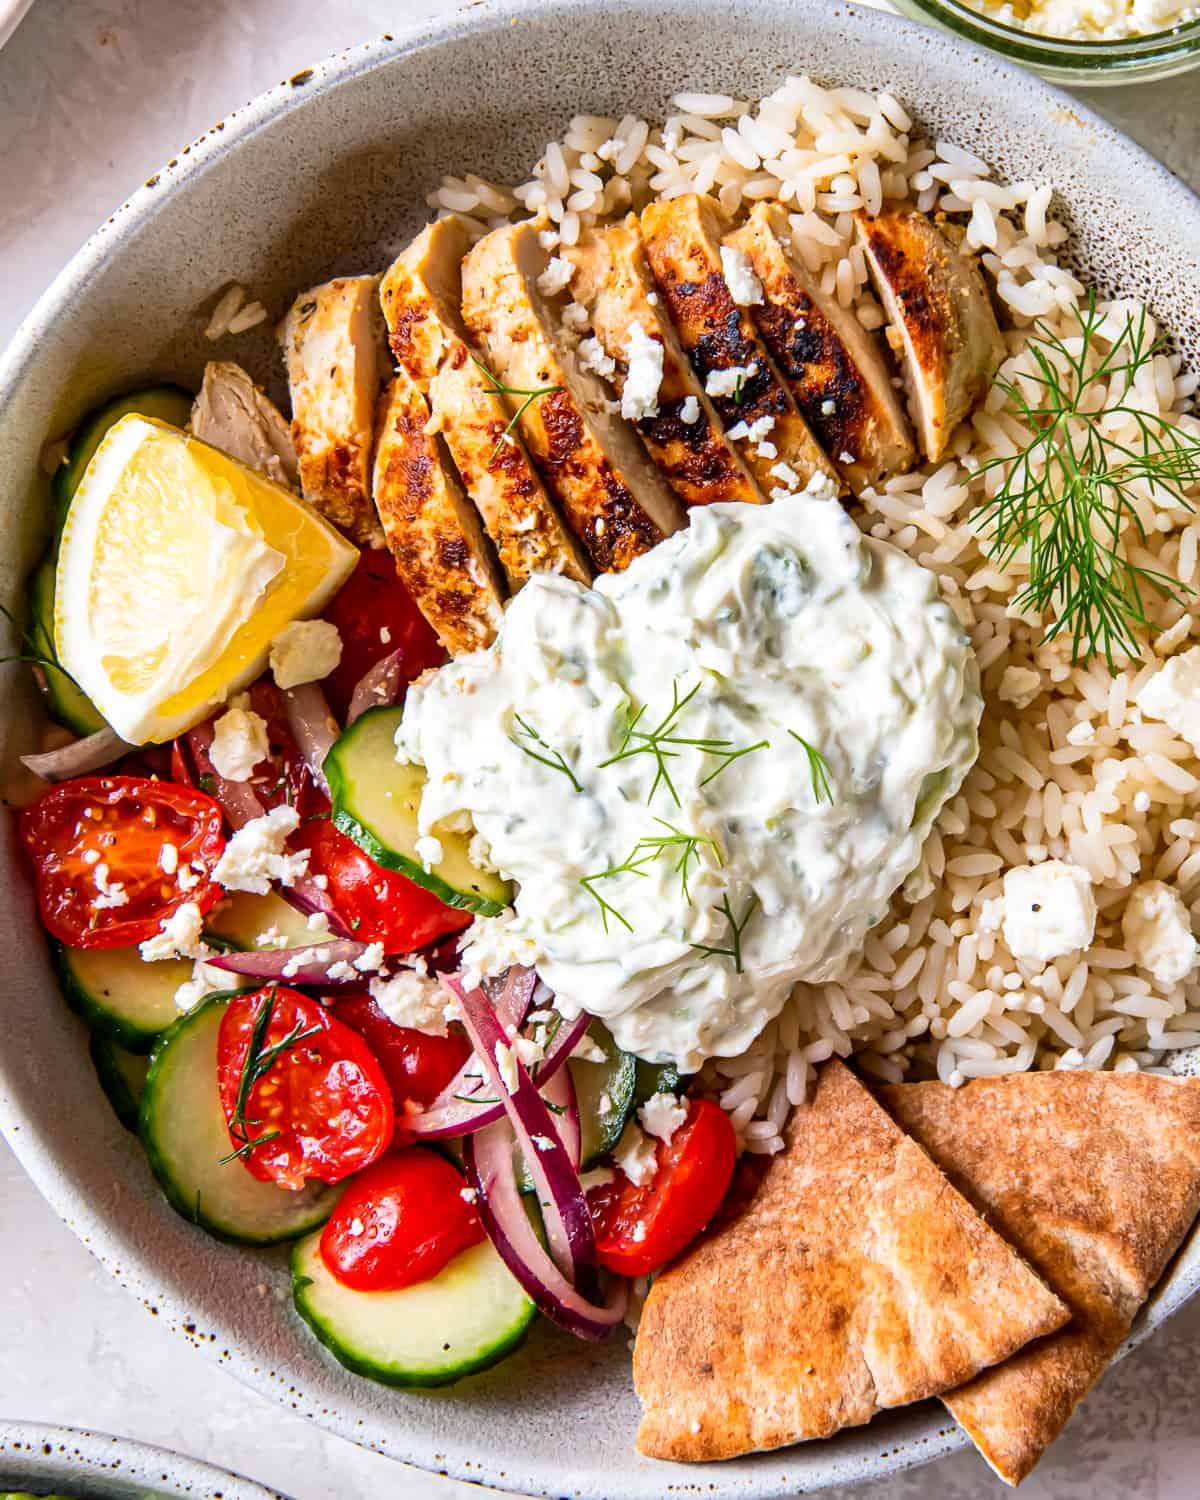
point(1065, 497)
point(647, 849)
point(39, 651)
point(498, 388)
point(258, 1061)
point(733, 949)
point(553, 758)
point(818, 770)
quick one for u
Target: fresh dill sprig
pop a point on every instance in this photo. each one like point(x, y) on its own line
point(1065, 497)
point(553, 758)
point(498, 388)
point(727, 757)
point(37, 655)
point(737, 389)
point(631, 866)
point(258, 1061)
point(647, 849)
point(734, 948)
point(818, 770)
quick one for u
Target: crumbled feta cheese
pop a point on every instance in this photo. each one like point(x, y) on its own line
point(555, 277)
point(575, 317)
point(256, 854)
point(689, 411)
point(479, 852)
point(1083, 733)
point(318, 922)
point(370, 961)
point(109, 893)
point(492, 944)
point(188, 877)
point(542, 1142)
point(1049, 910)
point(643, 376)
point(413, 1000)
point(744, 286)
point(1173, 696)
point(506, 1066)
point(787, 475)
point(179, 935)
point(429, 851)
point(767, 449)
point(168, 858)
point(592, 357)
point(662, 1115)
point(305, 651)
point(586, 1050)
point(597, 1177)
point(846, 457)
point(636, 1155)
point(1158, 932)
point(468, 1194)
point(271, 938)
point(728, 382)
point(340, 972)
point(1019, 686)
point(529, 1051)
point(821, 485)
point(239, 743)
point(190, 993)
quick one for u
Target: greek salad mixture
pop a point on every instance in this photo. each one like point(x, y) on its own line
point(436, 807)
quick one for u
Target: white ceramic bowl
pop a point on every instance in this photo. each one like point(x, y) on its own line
point(95, 1466)
point(328, 174)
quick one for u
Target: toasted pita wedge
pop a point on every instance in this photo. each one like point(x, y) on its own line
point(858, 1279)
point(1095, 1178)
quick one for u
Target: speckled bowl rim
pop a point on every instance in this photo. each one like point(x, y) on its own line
point(933, 1436)
point(99, 1466)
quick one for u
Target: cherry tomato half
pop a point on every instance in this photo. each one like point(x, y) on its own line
point(96, 846)
point(639, 1229)
point(399, 1222)
point(303, 1085)
point(417, 1066)
point(379, 905)
point(375, 615)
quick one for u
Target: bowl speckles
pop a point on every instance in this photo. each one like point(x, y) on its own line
point(327, 174)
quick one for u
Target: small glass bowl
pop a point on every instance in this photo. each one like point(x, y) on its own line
point(1136, 59)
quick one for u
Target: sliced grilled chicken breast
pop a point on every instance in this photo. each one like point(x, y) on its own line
point(832, 365)
point(421, 297)
point(941, 317)
point(333, 347)
point(591, 460)
point(433, 531)
point(612, 280)
point(683, 245)
point(236, 415)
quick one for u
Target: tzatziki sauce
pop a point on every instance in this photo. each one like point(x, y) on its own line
point(708, 774)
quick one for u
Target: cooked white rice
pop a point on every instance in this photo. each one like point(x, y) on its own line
point(936, 993)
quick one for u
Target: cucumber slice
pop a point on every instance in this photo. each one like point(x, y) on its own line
point(375, 802)
point(119, 994)
point(655, 1078)
point(64, 702)
point(169, 403)
point(182, 1127)
point(241, 919)
point(122, 1076)
point(464, 1319)
point(610, 1083)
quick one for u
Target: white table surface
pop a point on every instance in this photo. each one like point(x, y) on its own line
point(94, 94)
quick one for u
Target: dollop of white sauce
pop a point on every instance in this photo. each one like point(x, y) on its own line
point(780, 624)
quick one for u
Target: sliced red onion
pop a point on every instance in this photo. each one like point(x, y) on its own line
point(305, 895)
point(239, 801)
point(488, 1158)
point(566, 1215)
point(307, 965)
point(559, 1094)
point(79, 757)
point(453, 1112)
point(313, 727)
point(379, 685)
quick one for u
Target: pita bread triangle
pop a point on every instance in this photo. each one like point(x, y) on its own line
point(1095, 1179)
point(858, 1279)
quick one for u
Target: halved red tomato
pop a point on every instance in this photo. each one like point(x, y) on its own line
point(417, 1066)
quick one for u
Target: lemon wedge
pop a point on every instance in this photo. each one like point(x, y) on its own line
point(178, 567)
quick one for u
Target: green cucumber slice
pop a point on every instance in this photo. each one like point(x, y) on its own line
point(240, 920)
point(655, 1078)
point(464, 1319)
point(64, 702)
point(182, 1127)
point(168, 403)
point(122, 1076)
point(375, 802)
point(119, 994)
point(597, 1084)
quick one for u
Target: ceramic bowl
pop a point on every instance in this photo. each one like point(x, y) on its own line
point(95, 1466)
point(328, 174)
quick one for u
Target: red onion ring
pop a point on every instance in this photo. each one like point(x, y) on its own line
point(378, 686)
point(307, 965)
point(79, 757)
point(313, 727)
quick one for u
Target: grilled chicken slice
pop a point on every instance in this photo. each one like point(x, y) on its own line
point(591, 460)
point(941, 318)
point(832, 365)
point(433, 531)
point(683, 244)
point(421, 296)
point(613, 281)
point(333, 347)
point(237, 416)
